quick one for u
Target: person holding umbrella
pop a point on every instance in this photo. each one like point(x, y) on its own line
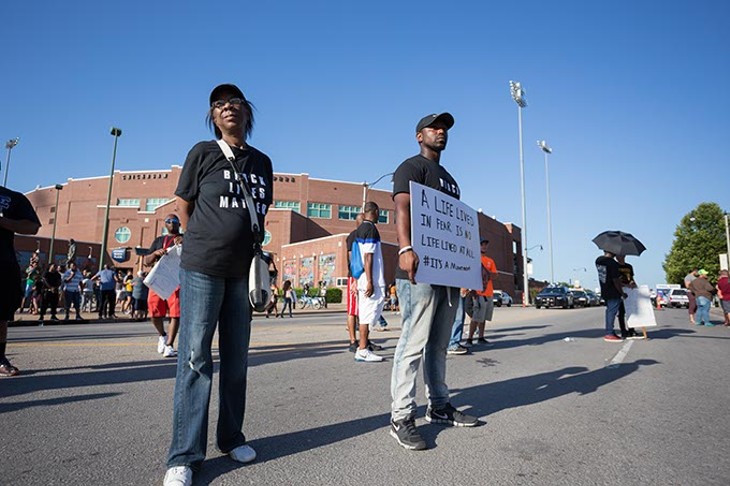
point(609, 276)
point(611, 291)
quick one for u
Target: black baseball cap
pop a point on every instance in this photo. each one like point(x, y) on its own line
point(225, 88)
point(484, 241)
point(429, 120)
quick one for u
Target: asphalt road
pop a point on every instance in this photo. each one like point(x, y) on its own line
point(93, 407)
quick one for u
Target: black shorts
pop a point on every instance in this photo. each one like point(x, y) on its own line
point(140, 304)
point(11, 290)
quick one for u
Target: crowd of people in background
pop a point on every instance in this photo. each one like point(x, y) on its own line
point(701, 293)
point(48, 289)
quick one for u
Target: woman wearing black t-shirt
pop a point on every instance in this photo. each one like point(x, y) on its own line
point(214, 265)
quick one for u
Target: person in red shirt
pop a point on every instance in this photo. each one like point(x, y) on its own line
point(158, 306)
point(723, 292)
point(483, 299)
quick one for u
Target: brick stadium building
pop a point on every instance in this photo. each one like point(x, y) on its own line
point(305, 230)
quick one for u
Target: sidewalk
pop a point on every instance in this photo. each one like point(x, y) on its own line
point(29, 320)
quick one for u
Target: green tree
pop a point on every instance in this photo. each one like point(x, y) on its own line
point(698, 240)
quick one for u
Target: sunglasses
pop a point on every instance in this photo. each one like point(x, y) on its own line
point(172, 220)
point(221, 103)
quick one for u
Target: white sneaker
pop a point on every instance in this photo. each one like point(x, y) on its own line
point(169, 352)
point(161, 343)
point(178, 476)
point(244, 454)
point(367, 356)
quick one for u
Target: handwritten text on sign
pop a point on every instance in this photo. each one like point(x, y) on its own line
point(445, 236)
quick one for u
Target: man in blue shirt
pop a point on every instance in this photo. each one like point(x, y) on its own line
point(107, 279)
point(72, 290)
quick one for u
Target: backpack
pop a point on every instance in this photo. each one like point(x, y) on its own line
point(356, 264)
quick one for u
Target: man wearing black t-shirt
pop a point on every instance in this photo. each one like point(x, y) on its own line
point(611, 291)
point(16, 216)
point(428, 310)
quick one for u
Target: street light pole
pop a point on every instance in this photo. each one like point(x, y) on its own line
point(518, 94)
point(365, 187)
point(116, 133)
point(59, 187)
point(727, 239)
point(10, 145)
point(547, 150)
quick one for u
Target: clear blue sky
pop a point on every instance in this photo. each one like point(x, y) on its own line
point(631, 95)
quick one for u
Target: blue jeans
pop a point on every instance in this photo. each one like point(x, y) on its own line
point(428, 315)
point(205, 301)
point(72, 299)
point(612, 308)
point(457, 330)
point(287, 302)
point(703, 310)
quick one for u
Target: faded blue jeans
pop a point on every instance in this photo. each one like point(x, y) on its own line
point(205, 301)
point(428, 316)
point(612, 308)
point(703, 310)
point(457, 330)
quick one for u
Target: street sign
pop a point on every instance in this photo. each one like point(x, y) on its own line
point(120, 255)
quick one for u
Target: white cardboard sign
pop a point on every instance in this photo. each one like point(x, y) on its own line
point(445, 236)
point(164, 277)
point(639, 311)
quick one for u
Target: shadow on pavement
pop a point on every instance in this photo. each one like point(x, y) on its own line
point(138, 371)
point(498, 342)
point(84, 337)
point(527, 390)
point(278, 446)
point(14, 407)
point(491, 397)
point(157, 368)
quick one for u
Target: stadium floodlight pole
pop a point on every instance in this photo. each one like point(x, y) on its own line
point(518, 94)
point(727, 239)
point(116, 133)
point(366, 186)
point(547, 150)
point(10, 145)
point(59, 187)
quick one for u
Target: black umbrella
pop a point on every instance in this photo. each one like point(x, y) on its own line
point(619, 243)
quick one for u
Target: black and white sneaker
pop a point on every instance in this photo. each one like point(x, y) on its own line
point(405, 432)
point(450, 416)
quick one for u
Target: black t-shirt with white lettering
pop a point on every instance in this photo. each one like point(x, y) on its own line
point(14, 206)
point(218, 239)
point(425, 172)
point(607, 273)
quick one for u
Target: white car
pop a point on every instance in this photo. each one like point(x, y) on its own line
point(502, 298)
point(678, 298)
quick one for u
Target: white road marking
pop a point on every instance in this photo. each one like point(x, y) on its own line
point(618, 359)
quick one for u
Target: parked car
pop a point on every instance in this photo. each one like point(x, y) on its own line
point(678, 298)
point(554, 297)
point(502, 298)
point(593, 298)
point(580, 298)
